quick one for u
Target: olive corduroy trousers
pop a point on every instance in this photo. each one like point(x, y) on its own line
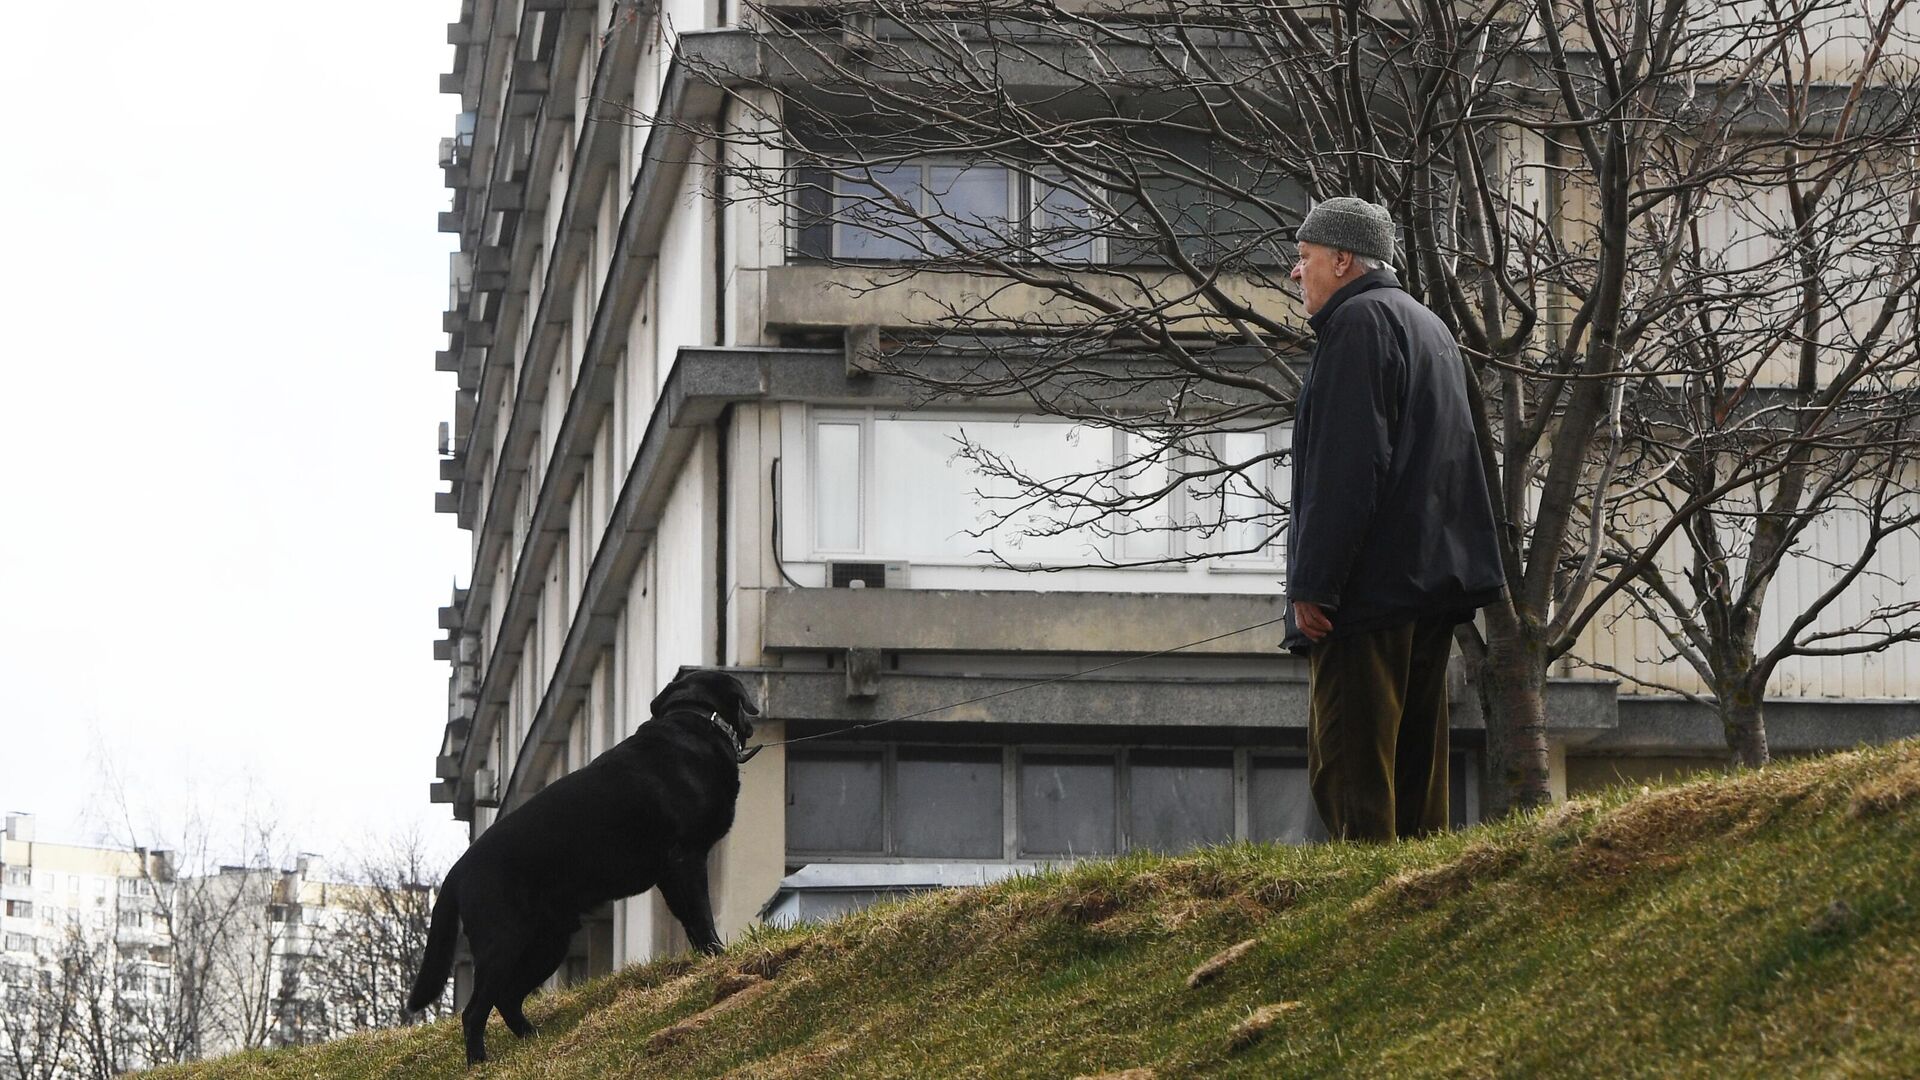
point(1377, 739)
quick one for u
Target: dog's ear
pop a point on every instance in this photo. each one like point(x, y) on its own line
point(745, 699)
point(667, 693)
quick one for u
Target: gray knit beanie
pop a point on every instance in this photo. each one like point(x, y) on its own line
point(1350, 224)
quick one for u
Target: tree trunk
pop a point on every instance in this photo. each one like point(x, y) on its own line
point(1743, 718)
point(1513, 695)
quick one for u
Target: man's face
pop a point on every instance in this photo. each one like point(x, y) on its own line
point(1320, 271)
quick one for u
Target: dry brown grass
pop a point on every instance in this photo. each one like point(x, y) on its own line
point(674, 1034)
point(1421, 889)
point(1219, 963)
point(1885, 794)
point(1255, 1027)
point(1663, 829)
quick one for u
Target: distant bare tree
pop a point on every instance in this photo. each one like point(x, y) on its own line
point(40, 1018)
point(368, 946)
point(200, 955)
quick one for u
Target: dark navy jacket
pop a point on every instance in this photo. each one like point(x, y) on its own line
point(1390, 519)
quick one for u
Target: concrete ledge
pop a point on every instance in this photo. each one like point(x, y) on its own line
point(1278, 703)
point(1578, 710)
point(1666, 725)
point(1184, 703)
point(823, 297)
point(926, 620)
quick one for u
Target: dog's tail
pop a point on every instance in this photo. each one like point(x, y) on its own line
point(436, 964)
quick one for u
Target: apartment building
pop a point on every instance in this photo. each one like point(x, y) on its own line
point(107, 901)
point(669, 452)
point(113, 959)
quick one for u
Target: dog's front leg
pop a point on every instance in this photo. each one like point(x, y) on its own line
point(684, 886)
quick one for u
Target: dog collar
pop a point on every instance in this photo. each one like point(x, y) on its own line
point(741, 753)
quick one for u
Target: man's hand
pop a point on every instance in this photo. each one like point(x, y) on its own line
point(1312, 620)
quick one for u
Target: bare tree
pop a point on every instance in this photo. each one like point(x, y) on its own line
point(1088, 209)
point(365, 950)
point(195, 948)
point(1791, 434)
point(40, 1018)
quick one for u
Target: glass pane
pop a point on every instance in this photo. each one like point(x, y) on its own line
point(836, 487)
point(942, 497)
point(833, 801)
point(1065, 225)
point(1145, 533)
point(972, 203)
point(1280, 804)
point(1179, 800)
point(1066, 804)
point(1248, 506)
point(949, 804)
point(869, 222)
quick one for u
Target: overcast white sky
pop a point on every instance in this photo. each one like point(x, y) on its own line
point(221, 291)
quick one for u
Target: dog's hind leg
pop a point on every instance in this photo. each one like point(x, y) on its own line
point(473, 1019)
point(684, 887)
point(541, 958)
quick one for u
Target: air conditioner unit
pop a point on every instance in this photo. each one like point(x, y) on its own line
point(868, 575)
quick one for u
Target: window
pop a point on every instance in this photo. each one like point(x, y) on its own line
point(919, 488)
point(132, 887)
point(949, 803)
point(1179, 799)
point(19, 943)
point(133, 917)
point(901, 487)
point(837, 468)
point(885, 214)
point(19, 909)
point(906, 801)
point(834, 801)
point(19, 875)
point(1280, 804)
point(1067, 805)
point(896, 212)
point(1067, 226)
point(1241, 510)
point(910, 802)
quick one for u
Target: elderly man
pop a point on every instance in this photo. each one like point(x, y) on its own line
point(1391, 536)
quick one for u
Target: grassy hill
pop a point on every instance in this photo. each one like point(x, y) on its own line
point(1766, 924)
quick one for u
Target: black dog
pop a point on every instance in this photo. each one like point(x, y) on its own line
point(644, 813)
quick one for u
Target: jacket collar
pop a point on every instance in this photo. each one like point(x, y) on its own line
point(1382, 278)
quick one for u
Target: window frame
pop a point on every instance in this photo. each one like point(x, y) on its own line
point(816, 227)
point(1014, 850)
point(1279, 440)
point(804, 515)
